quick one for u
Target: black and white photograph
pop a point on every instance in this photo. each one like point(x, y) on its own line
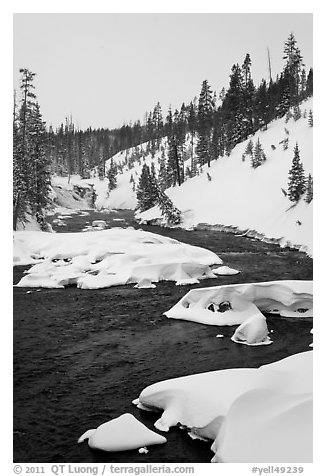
point(162, 214)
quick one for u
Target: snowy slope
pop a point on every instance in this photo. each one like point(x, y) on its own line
point(241, 196)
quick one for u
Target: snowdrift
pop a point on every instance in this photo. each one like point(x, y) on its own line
point(235, 303)
point(252, 415)
point(108, 258)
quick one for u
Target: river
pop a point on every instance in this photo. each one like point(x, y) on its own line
point(82, 356)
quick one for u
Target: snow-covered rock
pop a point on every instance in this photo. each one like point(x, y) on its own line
point(266, 402)
point(143, 450)
point(235, 303)
point(99, 224)
point(145, 283)
point(225, 271)
point(108, 258)
point(121, 434)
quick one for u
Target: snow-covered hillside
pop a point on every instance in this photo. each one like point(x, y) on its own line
point(237, 194)
point(248, 198)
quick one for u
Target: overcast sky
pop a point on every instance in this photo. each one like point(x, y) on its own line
point(107, 69)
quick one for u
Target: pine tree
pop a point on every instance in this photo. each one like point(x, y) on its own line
point(40, 184)
point(179, 126)
point(262, 108)
point(30, 165)
point(169, 211)
point(249, 148)
point(296, 184)
point(205, 118)
point(146, 190)
point(258, 156)
point(309, 189)
point(248, 92)
point(296, 112)
point(158, 123)
point(176, 140)
point(163, 176)
point(101, 163)
point(234, 111)
point(153, 184)
point(19, 188)
point(292, 69)
point(284, 102)
point(309, 85)
point(215, 143)
point(192, 124)
point(111, 174)
point(303, 84)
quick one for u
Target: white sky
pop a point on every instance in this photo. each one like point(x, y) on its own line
point(106, 69)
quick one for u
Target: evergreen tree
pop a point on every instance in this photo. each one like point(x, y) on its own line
point(19, 186)
point(169, 211)
point(249, 147)
point(205, 118)
point(192, 124)
point(262, 106)
point(234, 109)
point(39, 187)
point(30, 165)
point(248, 91)
point(296, 112)
point(292, 69)
point(284, 102)
point(163, 176)
point(176, 140)
point(153, 184)
point(101, 164)
point(303, 84)
point(111, 174)
point(179, 126)
point(258, 156)
point(146, 194)
point(215, 143)
point(309, 85)
point(218, 138)
point(158, 121)
point(296, 184)
point(309, 189)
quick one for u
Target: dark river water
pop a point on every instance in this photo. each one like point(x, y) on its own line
point(82, 356)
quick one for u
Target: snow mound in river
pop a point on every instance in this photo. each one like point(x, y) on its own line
point(121, 434)
point(108, 258)
point(233, 304)
point(252, 415)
